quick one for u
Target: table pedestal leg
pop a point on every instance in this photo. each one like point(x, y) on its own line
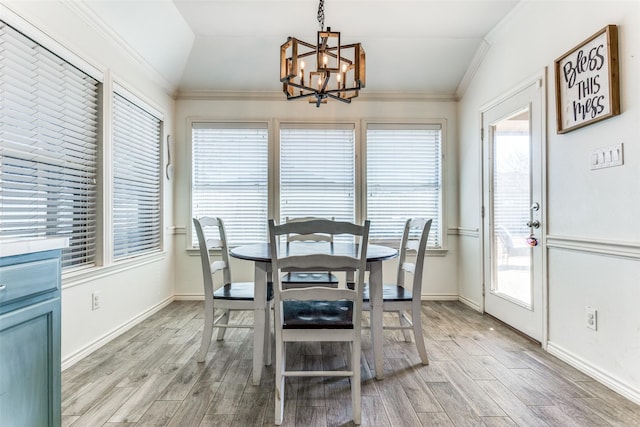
point(259, 319)
point(375, 295)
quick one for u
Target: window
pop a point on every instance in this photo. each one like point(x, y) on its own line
point(49, 141)
point(403, 179)
point(317, 175)
point(229, 178)
point(317, 171)
point(136, 180)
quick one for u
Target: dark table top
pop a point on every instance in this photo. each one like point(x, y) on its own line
point(262, 251)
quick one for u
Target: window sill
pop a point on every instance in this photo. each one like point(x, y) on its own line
point(81, 276)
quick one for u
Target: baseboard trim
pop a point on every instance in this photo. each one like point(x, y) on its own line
point(599, 375)
point(469, 303)
point(93, 346)
point(188, 297)
point(439, 297)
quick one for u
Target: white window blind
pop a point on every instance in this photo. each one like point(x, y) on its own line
point(48, 143)
point(317, 171)
point(229, 178)
point(403, 179)
point(136, 180)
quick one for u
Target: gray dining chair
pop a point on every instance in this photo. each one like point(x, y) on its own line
point(231, 296)
point(404, 296)
point(318, 313)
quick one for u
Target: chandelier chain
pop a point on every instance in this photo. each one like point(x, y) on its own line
point(321, 14)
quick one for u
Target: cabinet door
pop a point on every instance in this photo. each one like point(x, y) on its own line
point(30, 365)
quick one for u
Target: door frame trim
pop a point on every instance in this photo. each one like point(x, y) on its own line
point(539, 78)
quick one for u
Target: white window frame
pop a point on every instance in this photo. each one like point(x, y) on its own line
point(104, 263)
point(360, 129)
point(145, 108)
point(412, 124)
point(192, 242)
point(73, 129)
point(313, 126)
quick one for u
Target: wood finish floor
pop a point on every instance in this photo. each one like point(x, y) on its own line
point(480, 373)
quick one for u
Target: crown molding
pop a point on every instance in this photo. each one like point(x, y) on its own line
point(472, 69)
point(36, 30)
point(487, 41)
point(499, 28)
point(93, 20)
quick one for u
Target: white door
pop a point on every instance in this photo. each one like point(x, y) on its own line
point(513, 209)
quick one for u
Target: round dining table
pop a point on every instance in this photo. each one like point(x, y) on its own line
point(260, 255)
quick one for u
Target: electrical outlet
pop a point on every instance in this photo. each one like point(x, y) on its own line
point(95, 300)
point(591, 317)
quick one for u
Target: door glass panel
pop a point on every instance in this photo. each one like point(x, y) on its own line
point(511, 167)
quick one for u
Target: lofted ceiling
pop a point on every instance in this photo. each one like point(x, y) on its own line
point(230, 46)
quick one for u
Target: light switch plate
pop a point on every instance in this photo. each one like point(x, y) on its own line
point(606, 157)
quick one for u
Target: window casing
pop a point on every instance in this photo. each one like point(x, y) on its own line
point(55, 170)
point(49, 120)
point(230, 177)
point(317, 171)
point(404, 179)
point(136, 180)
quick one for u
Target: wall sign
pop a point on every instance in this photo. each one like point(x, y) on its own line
point(587, 84)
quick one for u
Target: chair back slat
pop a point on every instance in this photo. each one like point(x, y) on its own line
point(409, 267)
point(206, 243)
point(315, 237)
point(316, 293)
point(325, 262)
point(319, 226)
point(414, 239)
point(217, 266)
point(315, 261)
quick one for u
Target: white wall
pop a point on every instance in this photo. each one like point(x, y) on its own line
point(441, 280)
point(593, 248)
point(129, 291)
point(594, 242)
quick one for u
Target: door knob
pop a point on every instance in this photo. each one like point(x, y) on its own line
point(533, 224)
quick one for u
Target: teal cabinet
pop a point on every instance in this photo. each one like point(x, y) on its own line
point(30, 340)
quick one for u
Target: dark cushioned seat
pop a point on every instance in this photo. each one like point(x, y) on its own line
point(240, 291)
point(317, 314)
point(390, 293)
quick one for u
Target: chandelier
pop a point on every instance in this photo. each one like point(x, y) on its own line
point(331, 70)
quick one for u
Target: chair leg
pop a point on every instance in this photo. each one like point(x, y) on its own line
point(416, 319)
point(206, 334)
point(267, 335)
point(404, 323)
point(355, 381)
point(224, 320)
point(279, 380)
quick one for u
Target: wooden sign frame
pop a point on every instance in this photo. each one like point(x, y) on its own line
point(587, 81)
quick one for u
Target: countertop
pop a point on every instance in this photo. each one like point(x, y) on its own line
point(25, 246)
